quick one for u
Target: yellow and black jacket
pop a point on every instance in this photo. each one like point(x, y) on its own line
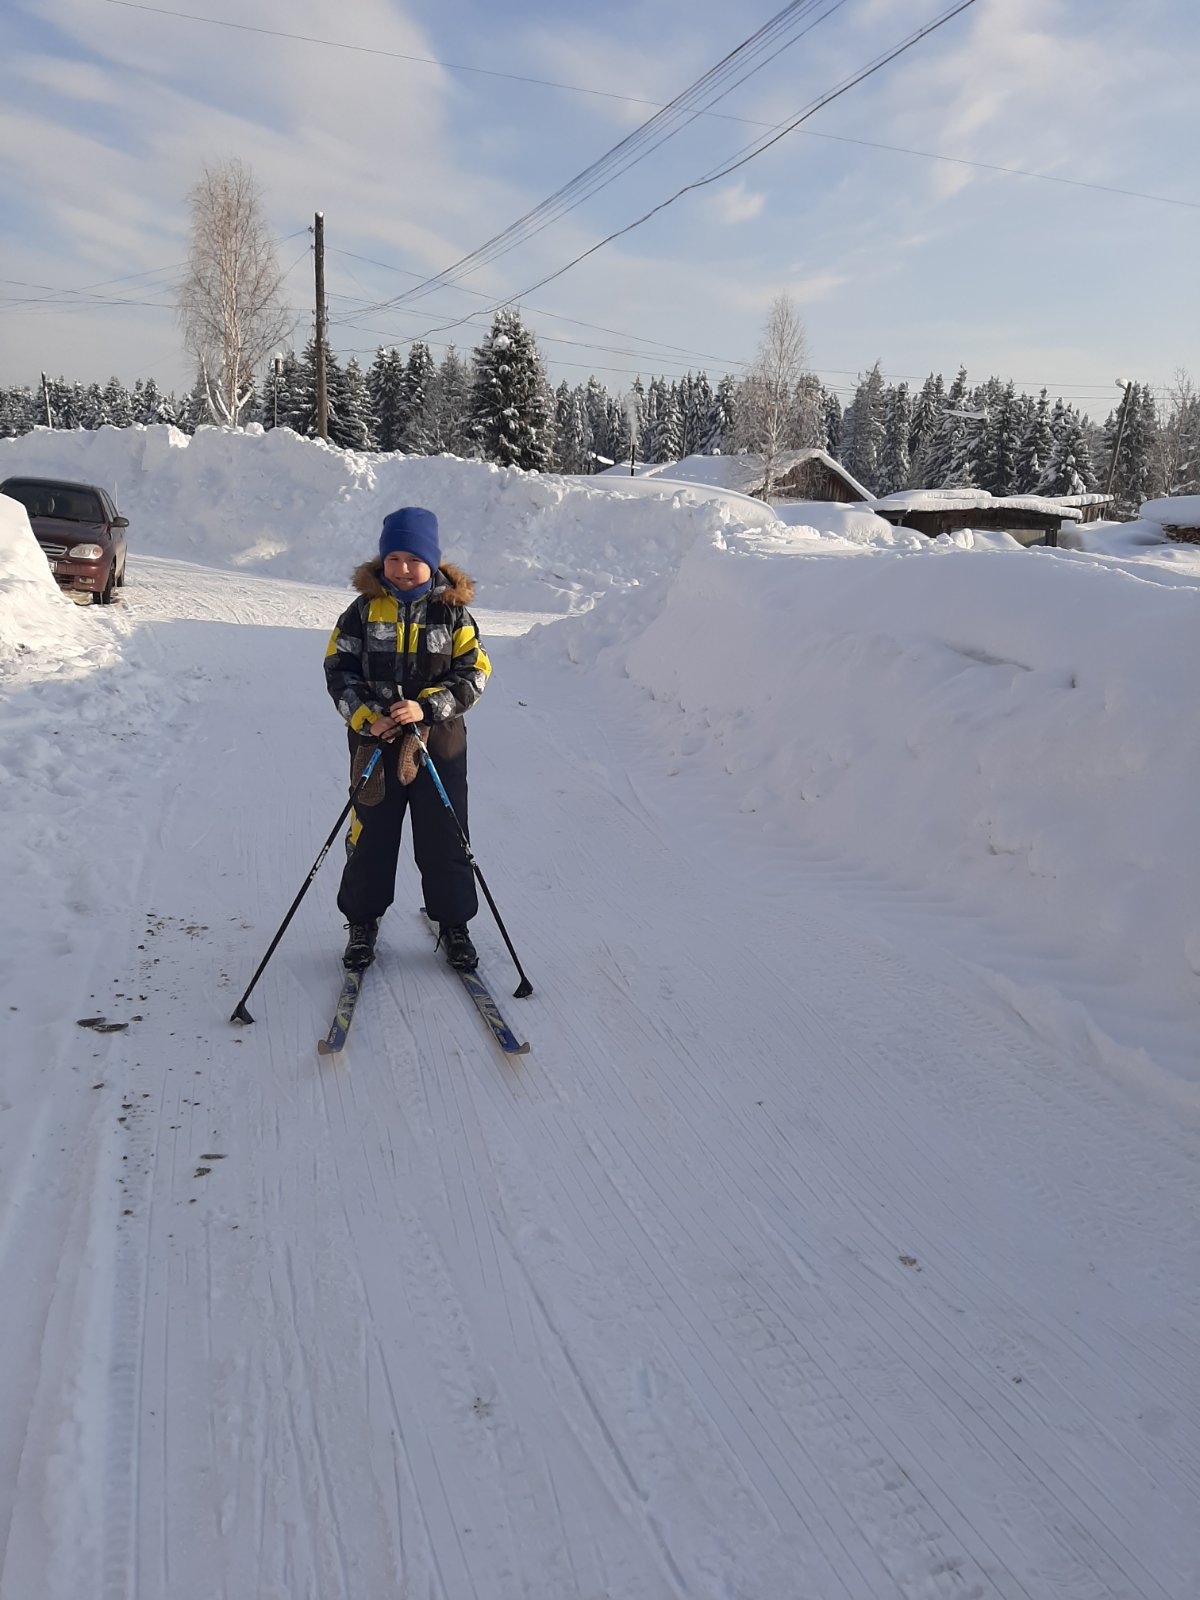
point(429, 650)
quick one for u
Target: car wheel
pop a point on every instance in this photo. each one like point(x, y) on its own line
point(106, 594)
point(121, 578)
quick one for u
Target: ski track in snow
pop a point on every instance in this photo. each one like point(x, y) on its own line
point(789, 1265)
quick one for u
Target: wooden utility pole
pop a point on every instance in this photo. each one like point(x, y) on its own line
point(46, 401)
point(1112, 465)
point(322, 377)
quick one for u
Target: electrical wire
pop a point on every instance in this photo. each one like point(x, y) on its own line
point(635, 147)
point(724, 171)
point(639, 100)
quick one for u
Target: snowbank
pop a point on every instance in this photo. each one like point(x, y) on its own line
point(1174, 511)
point(999, 726)
point(847, 522)
point(37, 622)
point(277, 503)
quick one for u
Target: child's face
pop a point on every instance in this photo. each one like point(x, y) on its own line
point(402, 568)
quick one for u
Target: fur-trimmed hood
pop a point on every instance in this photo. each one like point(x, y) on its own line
point(450, 583)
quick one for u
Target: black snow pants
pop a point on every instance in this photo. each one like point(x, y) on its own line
point(447, 880)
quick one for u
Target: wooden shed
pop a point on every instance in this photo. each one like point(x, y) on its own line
point(1030, 519)
point(809, 475)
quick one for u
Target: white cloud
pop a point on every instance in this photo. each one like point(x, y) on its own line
point(736, 204)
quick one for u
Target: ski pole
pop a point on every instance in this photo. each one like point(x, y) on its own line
point(240, 1014)
point(524, 987)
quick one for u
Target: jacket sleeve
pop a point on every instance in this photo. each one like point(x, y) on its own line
point(469, 672)
point(354, 697)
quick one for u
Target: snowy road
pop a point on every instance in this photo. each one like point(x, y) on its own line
point(787, 1266)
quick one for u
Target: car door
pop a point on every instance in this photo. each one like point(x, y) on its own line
point(116, 525)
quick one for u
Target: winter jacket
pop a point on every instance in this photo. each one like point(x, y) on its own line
point(383, 649)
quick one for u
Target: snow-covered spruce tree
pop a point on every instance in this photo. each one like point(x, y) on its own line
point(511, 408)
point(725, 416)
point(1035, 449)
point(650, 421)
point(863, 454)
point(666, 442)
point(385, 385)
point(84, 406)
point(350, 422)
point(419, 371)
point(894, 464)
point(806, 419)
point(927, 412)
point(965, 441)
point(620, 435)
point(231, 302)
point(1069, 470)
point(943, 450)
point(147, 403)
point(168, 410)
point(304, 391)
point(1133, 479)
point(578, 441)
point(1000, 443)
point(702, 423)
point(193, 408)
point(833, 423)
point(448, 404)
point(275, 399)
point(16, 413)
point(595, 403)
point(62, 409)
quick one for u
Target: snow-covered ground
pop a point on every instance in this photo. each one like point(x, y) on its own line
point(837, 1240)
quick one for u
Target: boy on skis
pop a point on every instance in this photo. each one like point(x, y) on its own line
point(405, 662)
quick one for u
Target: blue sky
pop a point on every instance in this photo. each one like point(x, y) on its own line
point(109, 113)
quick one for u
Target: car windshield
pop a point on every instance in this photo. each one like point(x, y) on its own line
point(56, 500)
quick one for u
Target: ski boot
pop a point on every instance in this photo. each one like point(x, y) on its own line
point(360, 948)
point(460, 952)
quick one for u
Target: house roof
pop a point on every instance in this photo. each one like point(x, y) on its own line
point(788, 460)
point(742, 471)
point(907, 500)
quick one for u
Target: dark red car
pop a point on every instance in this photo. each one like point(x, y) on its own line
point(79, 528)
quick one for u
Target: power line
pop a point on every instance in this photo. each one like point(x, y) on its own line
point(639, 100)
point(557, 316)
point(82, 298)
point(635, 147)
point(1066, 388)
point(740, 161)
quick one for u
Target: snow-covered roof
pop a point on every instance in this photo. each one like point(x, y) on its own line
point(1174, 511)
point(742, 471)
point(1082, 500)
point(906, 500)
point(794, 458)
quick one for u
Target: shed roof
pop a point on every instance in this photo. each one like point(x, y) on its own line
point(906, 500)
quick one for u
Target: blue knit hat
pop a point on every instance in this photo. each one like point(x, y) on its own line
point(414, 529)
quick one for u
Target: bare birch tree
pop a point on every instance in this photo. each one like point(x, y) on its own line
point(765, 400)
point(1177, 448)
point(231, 304)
